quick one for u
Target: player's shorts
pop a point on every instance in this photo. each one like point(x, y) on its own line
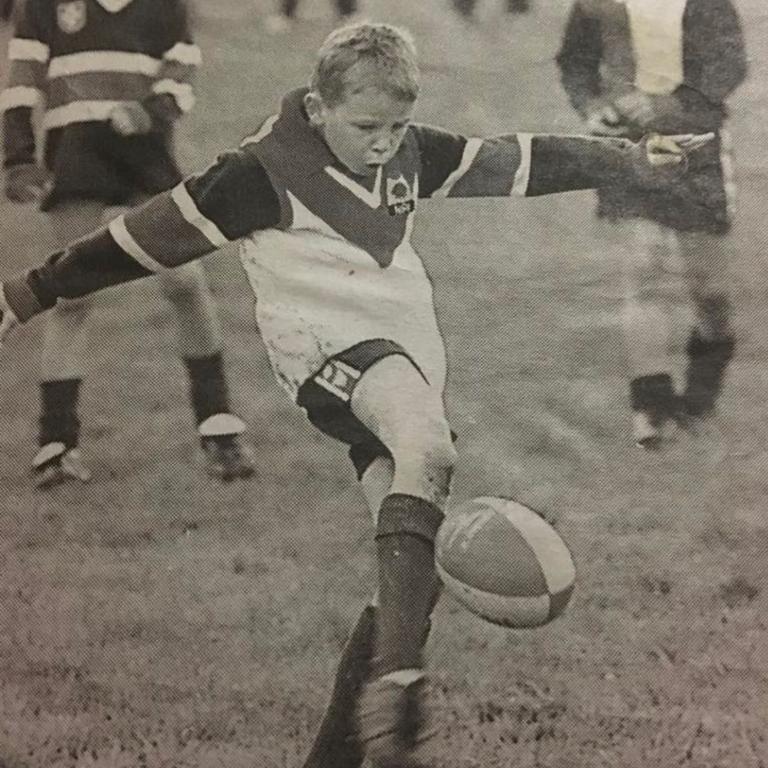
point(701, 202)
point(89, 161)
point(326, 397)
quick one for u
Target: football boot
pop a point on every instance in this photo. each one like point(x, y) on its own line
point(226, 454)
point(55, 464)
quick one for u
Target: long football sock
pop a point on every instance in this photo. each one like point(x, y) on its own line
point(408, 584)
point(334, 745)
point(707, 363)
point(59, 422)
point(207, 385)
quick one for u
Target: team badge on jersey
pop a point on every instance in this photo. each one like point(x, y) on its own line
point(400, 198)
point(71, 16)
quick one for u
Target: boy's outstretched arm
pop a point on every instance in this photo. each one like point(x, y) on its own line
point(540, 164)
point(233, 198)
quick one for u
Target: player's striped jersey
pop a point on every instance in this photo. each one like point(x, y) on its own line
point(690, 50)
point(285, 179)
point(83, 57)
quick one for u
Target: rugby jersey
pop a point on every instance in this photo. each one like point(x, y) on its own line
point(285, 178)
point(688, 55)
point(83, 57)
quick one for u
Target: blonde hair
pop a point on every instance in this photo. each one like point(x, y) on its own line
point(360, 55)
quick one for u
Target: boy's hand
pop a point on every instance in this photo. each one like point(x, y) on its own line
point(8, 319)
point(130, 119)
point(605, 121)
point(636, 108)
point(663, 159)
point(25, 183)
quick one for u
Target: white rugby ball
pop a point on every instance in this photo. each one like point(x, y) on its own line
point(504, 562)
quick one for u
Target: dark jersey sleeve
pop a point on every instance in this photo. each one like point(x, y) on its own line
point(441, 153)
point(231, 199)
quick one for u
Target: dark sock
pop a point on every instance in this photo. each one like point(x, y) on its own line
point(707, 362)
point(58, 412)
point(655, 394)
point(207, 385)
point(335, 744)
point(288, 8)
point(408, 584)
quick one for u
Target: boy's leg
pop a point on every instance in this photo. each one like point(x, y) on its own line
point(63, 362)
point(650, 269)
point(712, 341)
point(200, 345)
point(336, 744)
point(393, 400)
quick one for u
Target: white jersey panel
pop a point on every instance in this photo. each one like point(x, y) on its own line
point(317, 295)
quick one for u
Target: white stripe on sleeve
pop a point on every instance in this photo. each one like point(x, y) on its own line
point(22, 49)
point(471, 149)
point(182, 92)
point(19, 96)
point(125, 240)
point(192, 215)
point(185, 53)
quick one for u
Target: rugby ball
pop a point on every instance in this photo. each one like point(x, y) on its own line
point(504, 562)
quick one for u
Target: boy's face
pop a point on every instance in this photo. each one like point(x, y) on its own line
point(364, 130)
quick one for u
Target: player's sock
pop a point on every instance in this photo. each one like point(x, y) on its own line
point(654, 393)
point(59, 422)
point(408, 584)
point(335, 745)
point(288, 8)
point(207, 385)
point(707, 362)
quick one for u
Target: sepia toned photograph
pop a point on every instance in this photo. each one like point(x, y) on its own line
point(383, 384)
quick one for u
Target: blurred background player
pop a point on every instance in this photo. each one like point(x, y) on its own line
point(634, 66)
point(114, 76)
point(323, 198)
point(346, 10)
point(6, 9)
point(466, 8)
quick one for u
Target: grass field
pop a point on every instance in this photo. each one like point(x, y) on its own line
point(158, 619)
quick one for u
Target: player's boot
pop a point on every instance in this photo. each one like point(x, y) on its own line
point(391, 719)
point(55, 464)
point(227, 455)
point(707, 363)
point(655, 409)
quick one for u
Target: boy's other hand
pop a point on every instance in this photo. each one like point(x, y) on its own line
point(636, 108)
point(605, 121)
point(25, 183)
point(8, 319)
point(130, 119)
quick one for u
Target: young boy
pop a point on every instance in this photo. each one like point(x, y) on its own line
point(114, 75)
point(323, 199)
point(636, 66)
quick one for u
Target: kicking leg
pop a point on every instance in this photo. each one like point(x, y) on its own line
point(397, 405)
